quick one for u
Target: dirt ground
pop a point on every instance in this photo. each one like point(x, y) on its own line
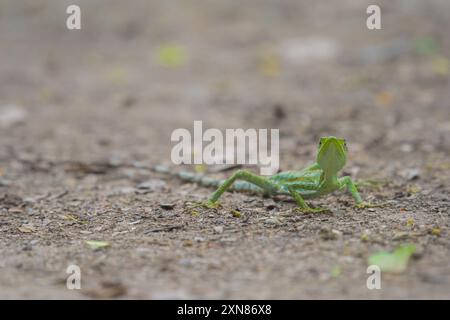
point(75, 103)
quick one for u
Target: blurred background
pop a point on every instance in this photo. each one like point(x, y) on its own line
point(137, 70)
point(116, 89)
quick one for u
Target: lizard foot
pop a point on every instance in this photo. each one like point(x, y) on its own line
point(363, 205)
point(206, 204)
point(311, 210)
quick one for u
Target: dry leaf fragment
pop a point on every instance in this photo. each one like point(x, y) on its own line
point(26, 228)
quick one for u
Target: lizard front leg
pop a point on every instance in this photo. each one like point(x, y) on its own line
point(303, 206)
point(347, 182)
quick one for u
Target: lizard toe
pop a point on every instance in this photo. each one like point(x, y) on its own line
point(206, 204)
point(364, 205)
point(312, 210)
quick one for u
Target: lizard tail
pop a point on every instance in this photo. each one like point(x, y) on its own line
point(190, 177)
point(202, 180)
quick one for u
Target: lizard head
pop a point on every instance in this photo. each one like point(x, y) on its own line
point(331, 154)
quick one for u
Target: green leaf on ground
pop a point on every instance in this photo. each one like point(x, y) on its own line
point(171, 55)
point(393, 262)
point(97, 244)
point(335, 272)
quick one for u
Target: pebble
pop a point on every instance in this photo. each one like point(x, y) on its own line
point(11, 115)
point(218, 229)
point(152, 185)
point(4, 183)
point(308, 49)
point(167, 206)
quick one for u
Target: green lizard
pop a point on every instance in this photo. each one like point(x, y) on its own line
point(316, 180)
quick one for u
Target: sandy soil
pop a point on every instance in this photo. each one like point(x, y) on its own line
point(69, 99)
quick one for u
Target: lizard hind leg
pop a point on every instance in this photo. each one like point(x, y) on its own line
point(261, 182)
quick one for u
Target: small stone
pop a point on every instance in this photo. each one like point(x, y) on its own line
point(4, 183)
point(26, 228)
point(308, 50)
point(337, 233)
point(124, 190)
point(167, 206)
point(12, 115)
point(152, 185)
point(413, 174)
point(407, 148)
point(199, 239)
point(218, 229)
point(270, 204)
point(273, 221)
point(134, 222)
point(279, 112)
